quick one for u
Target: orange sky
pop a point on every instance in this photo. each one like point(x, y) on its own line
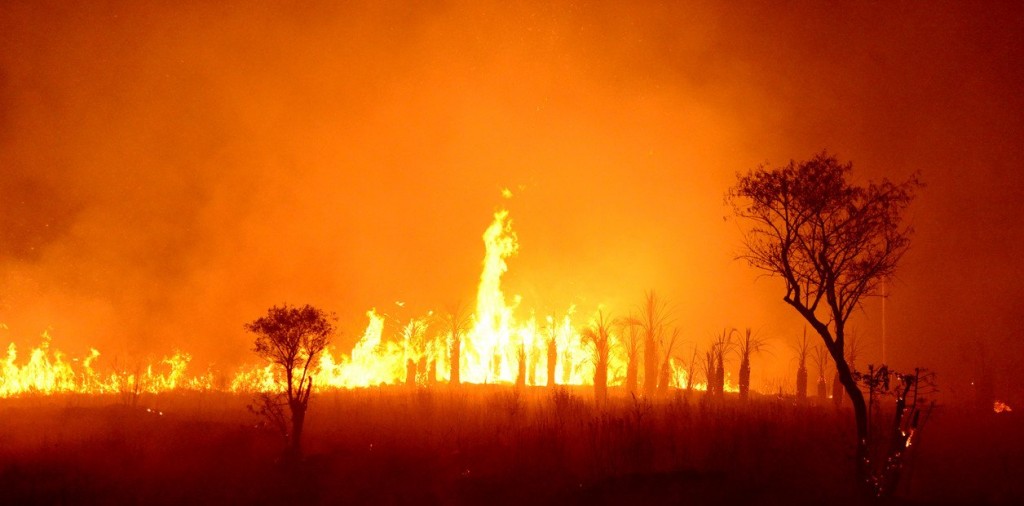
point(167, 173)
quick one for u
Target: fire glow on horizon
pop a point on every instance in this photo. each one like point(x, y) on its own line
point(497, 348)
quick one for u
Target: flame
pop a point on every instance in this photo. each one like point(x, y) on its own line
point(1001, 407)
point(49, 372)
point(679, 375)
point(499, 346)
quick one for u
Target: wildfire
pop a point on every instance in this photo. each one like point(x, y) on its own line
point(49, 373)
point(497, 347)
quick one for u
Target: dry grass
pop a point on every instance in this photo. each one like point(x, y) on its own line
point(479, 445)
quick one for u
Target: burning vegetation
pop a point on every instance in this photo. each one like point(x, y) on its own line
point(211, 207)
point(492, 345)
point(630, 366)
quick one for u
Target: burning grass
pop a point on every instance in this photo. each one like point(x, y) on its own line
point(474, 445)
point(429, 415)
point(500, 342)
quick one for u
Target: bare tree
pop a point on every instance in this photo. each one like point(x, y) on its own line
point(911, 393)
point(820, 357)
point(130, 385)
point(654, 316)
point(692, 370)
point(802, 348)
point(630, 330)
point(532, 361)
point(598, 335)
point(707, 369)
point(414, 341)
point(832, 243)
point(569, 366)
point(748, 345)
point(521, 365)
point(665, 372)
point(457, 323)
point(292, 338)
point(552, 347)
point(721, 346)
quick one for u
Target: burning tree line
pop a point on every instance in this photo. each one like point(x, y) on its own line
point(488, 343)
point(617, 352)
point(485, 344)
point(491, 342)
point(830, 241)
point(52, 373)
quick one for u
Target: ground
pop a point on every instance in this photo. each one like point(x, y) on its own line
point(482, 445)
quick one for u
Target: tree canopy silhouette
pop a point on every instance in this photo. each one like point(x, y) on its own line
point(292, 338)
point(832, 242)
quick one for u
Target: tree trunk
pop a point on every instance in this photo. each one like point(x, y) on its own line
point(801, 383)
point(650, 366)
point(552, 362)
point(837, 390)
point(712, 379)
point(821, 388)
point(410, 372)
point(860, 414)
point(601, 382)
point(456, 356)
point(720, 379)
point(664, 378)
point(521, 370)
point(298, 421)
point(531, 368)
point(744, 378)
point(631, 373)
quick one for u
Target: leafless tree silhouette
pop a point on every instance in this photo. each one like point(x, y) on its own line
point(748, 345)
point(820, 357)
point(654, 317)
point(415, 343)
point(721, 346)
point(832, 242)
point(632, 342)
point(665, 371)
point(802, 348)
point(457, 322)
point(521, 365)
point(130, 385)
point(598, 335)
point(707, 369)
point(691, 371)
point(551, 336)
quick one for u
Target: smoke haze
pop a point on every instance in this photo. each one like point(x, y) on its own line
point(167, 173)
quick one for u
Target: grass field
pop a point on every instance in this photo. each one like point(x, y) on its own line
point(482, 445)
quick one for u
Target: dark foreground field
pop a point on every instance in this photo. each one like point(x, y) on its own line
point(481, 446)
